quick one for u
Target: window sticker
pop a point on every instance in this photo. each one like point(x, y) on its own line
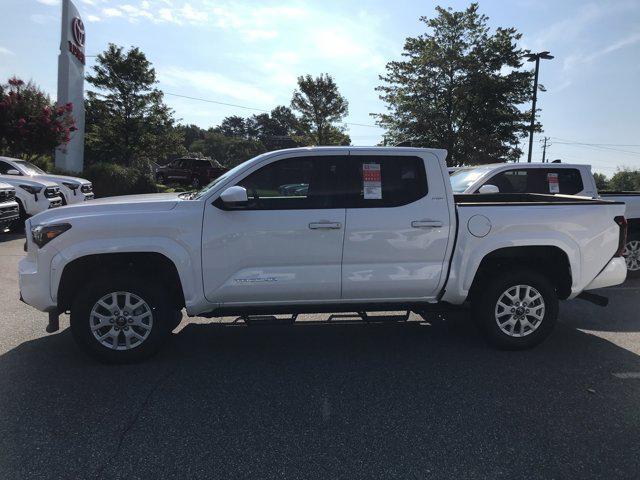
point(554, 184)
point(372, 181)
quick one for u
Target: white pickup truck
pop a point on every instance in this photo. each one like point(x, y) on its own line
point(366, 229)
point(9, 211)
point(552, 178)
point(72, 189)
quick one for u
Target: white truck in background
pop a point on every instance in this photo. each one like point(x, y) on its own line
point(72, 189)
point(374, 229)
point(32, 196)
point(551, 178)
point(9, 211)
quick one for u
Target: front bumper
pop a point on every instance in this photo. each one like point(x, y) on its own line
point(34, 285)
point(614, 273)
point(8, 212)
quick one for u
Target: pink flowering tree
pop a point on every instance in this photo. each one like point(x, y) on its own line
point(30, 124)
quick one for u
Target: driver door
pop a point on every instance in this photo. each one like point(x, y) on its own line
point(285, 245)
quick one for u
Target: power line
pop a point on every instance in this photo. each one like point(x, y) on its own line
point(251, 108)
point(600, 144)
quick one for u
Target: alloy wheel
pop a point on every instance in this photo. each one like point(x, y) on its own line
point(121, 320)
point(519, 310)
point(631, 255)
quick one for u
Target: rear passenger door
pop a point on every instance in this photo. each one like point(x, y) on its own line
point(397, 228)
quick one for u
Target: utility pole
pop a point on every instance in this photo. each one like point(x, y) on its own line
point(544, 148)
point(535, 57)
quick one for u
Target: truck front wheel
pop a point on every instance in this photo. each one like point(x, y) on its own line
point(121, 319)
point(516, 310)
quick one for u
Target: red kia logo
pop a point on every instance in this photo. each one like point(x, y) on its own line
point(77, 29)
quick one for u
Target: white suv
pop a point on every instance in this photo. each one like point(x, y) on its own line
point(72, 189)
point(33, 196)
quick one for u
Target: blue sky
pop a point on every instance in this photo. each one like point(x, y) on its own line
point(249, 53)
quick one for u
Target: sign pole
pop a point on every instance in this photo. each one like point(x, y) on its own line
point(71, 62)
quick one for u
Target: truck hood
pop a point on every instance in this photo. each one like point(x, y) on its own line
point(60, 178)
point(152, 202)
point(16, 180)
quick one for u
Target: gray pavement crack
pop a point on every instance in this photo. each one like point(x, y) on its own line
point(132, 421)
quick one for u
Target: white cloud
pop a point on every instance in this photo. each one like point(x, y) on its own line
point(52, 3)
point(192, 15)
point(212, 82)
point(5, 51)
point(112, 12)
point(39, 19)
point(93, 18)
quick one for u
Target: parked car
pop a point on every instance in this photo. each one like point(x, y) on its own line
point(192, 171)
point(9, 210)
point(378, 229)
point(32, 196)
point(72, 189)
point(553, 178)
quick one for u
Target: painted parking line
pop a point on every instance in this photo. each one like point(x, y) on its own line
point(627, 375)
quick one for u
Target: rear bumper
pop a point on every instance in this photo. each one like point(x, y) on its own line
point(614, 273)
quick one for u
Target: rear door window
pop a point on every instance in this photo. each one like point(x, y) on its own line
point(385, 181)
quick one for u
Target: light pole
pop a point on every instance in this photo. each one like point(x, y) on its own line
point(535, 57)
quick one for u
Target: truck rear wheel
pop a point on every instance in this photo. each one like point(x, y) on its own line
point(122, 319)
point(516, 310)
point(632, 256)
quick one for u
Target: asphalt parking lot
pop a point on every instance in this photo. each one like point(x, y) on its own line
point(305, 401)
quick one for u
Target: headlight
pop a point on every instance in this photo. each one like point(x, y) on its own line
point(43, 234)
point(71, 186)
point(31, 189)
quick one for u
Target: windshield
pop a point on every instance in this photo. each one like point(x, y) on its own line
point(214, 182)
point(462, 179)
point(29, 168)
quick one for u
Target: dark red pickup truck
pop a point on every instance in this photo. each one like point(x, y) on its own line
point(193, 171)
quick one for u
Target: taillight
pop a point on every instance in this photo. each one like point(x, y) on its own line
point(622, 223)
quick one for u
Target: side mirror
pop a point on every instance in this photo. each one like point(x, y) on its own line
point(234, 196)
point(489, 189)
point(13, 171)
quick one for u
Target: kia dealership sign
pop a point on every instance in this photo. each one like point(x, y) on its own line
point(71, 84)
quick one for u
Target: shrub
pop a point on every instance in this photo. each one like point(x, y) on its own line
point(110, 179)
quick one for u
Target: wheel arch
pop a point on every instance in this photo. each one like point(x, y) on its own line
point(550, 261)
point(76, 273)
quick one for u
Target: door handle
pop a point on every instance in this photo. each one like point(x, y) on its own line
point(325, 225)
point(426, 224)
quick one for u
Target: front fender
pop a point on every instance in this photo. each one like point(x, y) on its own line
point(186, 263)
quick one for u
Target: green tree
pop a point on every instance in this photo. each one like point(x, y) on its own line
point(190, 134)
point(458, 88)
point(320, 106)
point(277, 130)
point(625, 179)
point(601, 181)
point(126, 119)
point(228, 151)
point(30, 124)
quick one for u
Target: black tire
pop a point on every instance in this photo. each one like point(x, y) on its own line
point(633, 238)
point(484, 308)
point(147, 289)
